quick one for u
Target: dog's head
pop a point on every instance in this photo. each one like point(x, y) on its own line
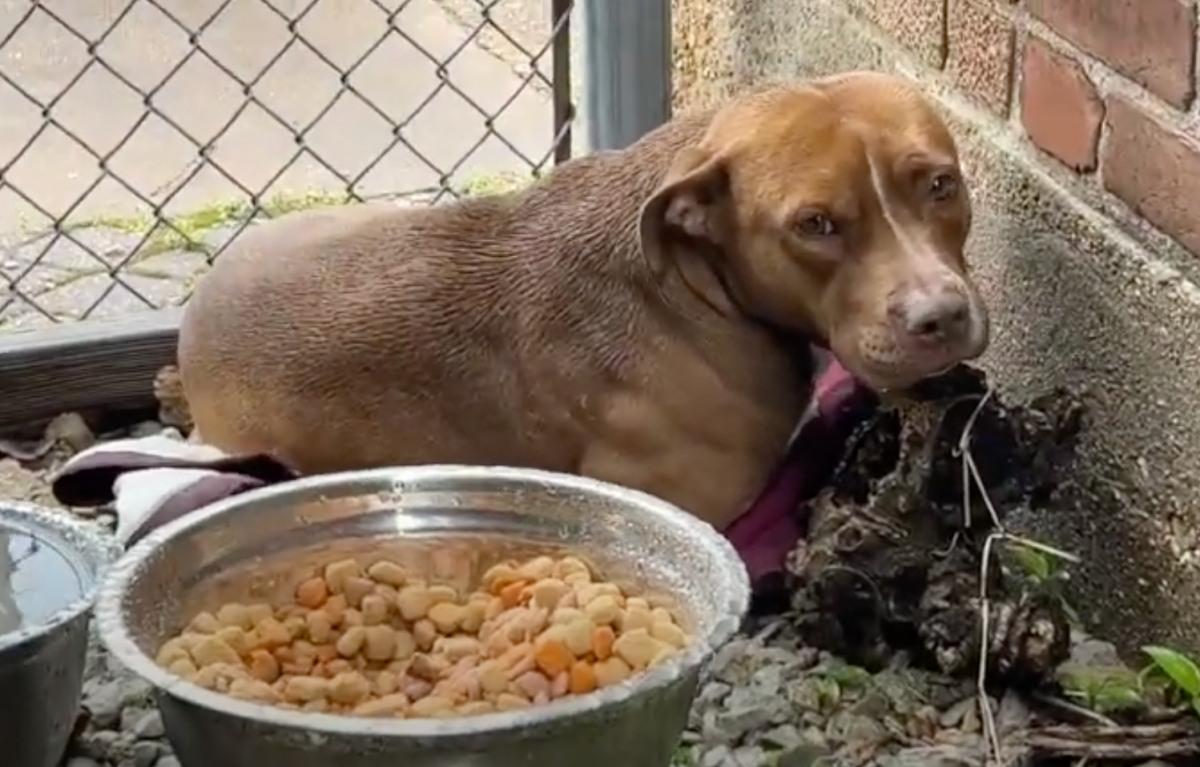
point(835, 209)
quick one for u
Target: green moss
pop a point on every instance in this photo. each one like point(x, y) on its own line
point(187, 231)
point(485, 184)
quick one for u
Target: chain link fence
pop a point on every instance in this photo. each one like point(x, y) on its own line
point(139, 138)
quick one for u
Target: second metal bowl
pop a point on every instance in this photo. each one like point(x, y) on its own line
point(50, 567)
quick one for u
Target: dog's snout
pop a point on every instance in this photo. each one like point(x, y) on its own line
point(937, 317)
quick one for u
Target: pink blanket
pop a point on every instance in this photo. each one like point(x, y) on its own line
point(153, 480)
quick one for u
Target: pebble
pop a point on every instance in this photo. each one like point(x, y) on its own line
point(81, 761)
point(749, 755)
point(729, 726)
point(953, 716)
point(1094, 652)
point(784, 736)
point(145, 753)
point(106, 698)
point(106, 745)
point(167, 761)
point(144, 724)
point(804, 755)
point(717, 757)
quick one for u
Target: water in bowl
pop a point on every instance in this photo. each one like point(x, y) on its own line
point(37, 578)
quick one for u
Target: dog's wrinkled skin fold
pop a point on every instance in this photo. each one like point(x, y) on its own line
point(642, 316)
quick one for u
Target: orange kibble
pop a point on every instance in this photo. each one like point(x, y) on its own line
point(583, 678)
point(552, 657)
point(510, 595)
point(602, 642)
point(326, 652)
point(312, 593)
point(264, 666)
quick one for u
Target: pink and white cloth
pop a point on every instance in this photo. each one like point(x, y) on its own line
point(153, 480)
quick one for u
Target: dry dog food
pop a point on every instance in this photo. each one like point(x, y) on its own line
point(379, 642)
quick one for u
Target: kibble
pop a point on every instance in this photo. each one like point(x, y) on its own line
point(379, 642)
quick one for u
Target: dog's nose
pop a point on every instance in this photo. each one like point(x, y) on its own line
point(936, 317)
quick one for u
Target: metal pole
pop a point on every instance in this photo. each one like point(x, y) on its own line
point(564, 110)
point(627, 78)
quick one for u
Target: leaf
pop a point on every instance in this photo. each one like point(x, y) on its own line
point(1181, 669)
point(1196, 705)
point(1034, 563)
point(849, 676)
point(1114, 698)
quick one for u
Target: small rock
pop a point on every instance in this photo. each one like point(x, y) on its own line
point(149, 726)
point(750, 756)
point(856, 731)
point(105, 698)
point(145, 753)
point(717, 757)
point(937, 756)
point(804, 755)
point(106, 745)
point(768, 680)
point(712, 694)
point(81, 761)
point(1093, 652)
point(729, 726)
point(1014, 713)
point(953, 716)
point(873, 704)
point(726, 656)
point(71, 431)
point(167, 761)
point(748, 697)
point(784, 736)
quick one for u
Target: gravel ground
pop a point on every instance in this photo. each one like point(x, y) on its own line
point(767, 698)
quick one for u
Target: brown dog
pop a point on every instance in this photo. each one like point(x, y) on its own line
point(642, 316)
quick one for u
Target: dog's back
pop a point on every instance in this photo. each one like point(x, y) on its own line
point(427, 318)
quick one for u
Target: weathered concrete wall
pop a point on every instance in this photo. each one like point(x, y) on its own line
point(1084, 292)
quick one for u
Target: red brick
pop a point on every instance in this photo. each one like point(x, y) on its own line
point(1150, 41)
point(980, 51)
point(1059, 106)
point(1155, 170)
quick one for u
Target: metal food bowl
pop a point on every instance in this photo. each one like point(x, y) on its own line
point(448, 523)
point(50, 567)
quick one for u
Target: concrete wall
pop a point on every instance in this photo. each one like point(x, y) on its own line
point(1086, 180)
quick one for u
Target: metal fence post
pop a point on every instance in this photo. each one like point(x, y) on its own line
point(627, 75)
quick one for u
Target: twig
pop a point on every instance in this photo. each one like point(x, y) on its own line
point(1032, 544)
point(985, 707)
point(970, 472)
point(1080, 711)
point(987, 500)
point(964, 449)
point(1123, 743)
point(943, 553)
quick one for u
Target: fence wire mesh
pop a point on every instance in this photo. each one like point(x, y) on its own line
point(139, 138)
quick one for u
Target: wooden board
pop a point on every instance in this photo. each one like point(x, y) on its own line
point(85, 365)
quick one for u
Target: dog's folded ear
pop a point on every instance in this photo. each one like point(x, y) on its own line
point(686, 225)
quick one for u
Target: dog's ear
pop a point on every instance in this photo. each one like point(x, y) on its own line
point(685, 225)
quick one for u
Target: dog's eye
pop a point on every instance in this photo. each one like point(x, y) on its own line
point(943, 187)
point(816, 225)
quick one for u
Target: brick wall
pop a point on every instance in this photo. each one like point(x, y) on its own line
point(1104, 88)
